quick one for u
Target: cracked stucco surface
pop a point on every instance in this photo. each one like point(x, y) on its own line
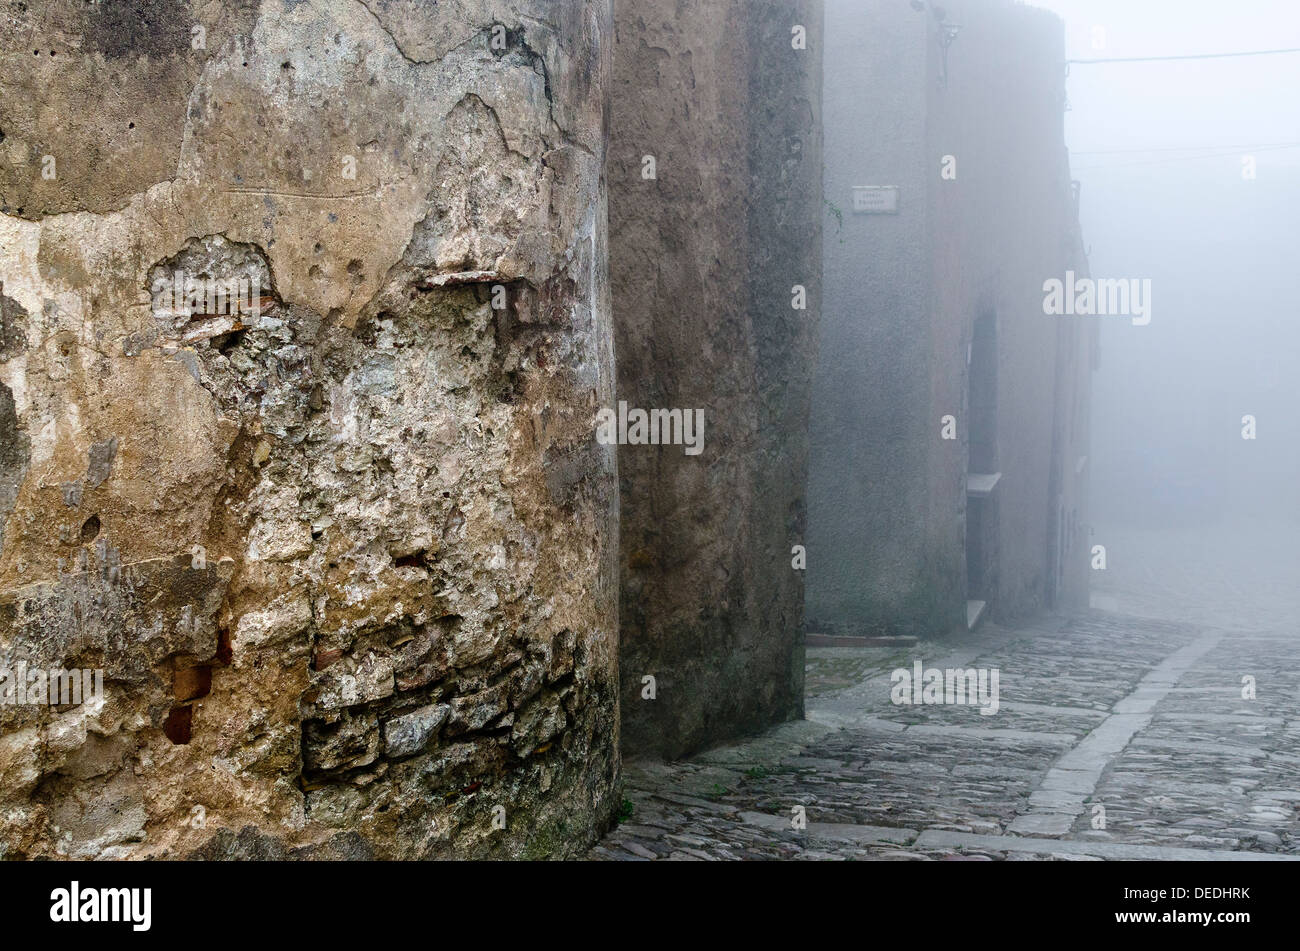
point(357, 550)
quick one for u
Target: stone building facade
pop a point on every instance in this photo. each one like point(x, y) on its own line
point(949, 433)
point(715, 238)
point(344, 550)
point(306, 333)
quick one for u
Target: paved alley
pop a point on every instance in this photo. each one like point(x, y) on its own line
point(1115, 737)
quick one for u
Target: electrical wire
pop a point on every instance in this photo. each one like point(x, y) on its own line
point(1182, 158)
point(1167, 59)
point(1193, 148)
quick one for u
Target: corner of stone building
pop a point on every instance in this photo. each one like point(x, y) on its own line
point(716, 203)
point(343, 548)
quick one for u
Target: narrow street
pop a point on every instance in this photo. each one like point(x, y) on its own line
point(636, 430)
point(1141, 717)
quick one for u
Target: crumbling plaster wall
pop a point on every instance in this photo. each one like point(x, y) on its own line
point(348, 565)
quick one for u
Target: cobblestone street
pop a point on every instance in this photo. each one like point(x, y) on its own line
point(1141, 717)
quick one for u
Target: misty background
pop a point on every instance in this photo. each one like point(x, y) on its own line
point(1198, 523)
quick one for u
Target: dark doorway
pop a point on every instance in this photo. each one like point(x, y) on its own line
point(982, 473)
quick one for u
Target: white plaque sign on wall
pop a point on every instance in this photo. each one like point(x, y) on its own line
point(875, 199)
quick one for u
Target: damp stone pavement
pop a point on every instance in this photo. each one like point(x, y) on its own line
point(1116, 737)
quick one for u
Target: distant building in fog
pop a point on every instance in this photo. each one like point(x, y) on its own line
point(949, 430)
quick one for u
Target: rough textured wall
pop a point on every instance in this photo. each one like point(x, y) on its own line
point(872, 567)
point(888, 506)
point(345, 553)
point(703, 260)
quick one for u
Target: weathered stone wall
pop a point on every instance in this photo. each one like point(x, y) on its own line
point(704, 257)
point(345, 555)
point(1002, 227)
point(888, 504)
point(871, 568)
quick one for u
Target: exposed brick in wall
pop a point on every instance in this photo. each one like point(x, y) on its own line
point(347, 563)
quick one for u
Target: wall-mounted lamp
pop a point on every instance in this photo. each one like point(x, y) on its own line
point(947, 33)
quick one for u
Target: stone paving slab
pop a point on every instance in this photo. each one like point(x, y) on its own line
point(836, 831)
point(1116, 738)
point(1106, 850)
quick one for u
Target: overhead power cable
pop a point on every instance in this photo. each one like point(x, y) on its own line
point(1166, 59)
point(1193, 148)
point(1182, 158)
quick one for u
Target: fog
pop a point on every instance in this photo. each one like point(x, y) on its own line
point(1198, 522)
